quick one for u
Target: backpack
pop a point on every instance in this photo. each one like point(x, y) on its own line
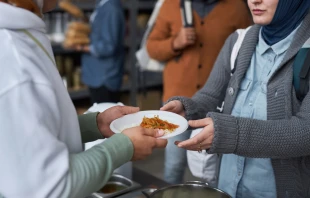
point(300, 67)
point(145, 63)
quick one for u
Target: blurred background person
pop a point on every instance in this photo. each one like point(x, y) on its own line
point(103, 62)
point(189, 54)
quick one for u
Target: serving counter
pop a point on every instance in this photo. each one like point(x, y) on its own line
point(140, 180)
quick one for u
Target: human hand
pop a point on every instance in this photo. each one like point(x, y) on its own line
point(83, 48)
point(185, 37)
point(174, 106)
point(144, 141)
point(105, 118)
point(202, 140)
point(86, 48)
point(78, 48)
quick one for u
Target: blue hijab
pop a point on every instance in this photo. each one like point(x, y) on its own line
point(288, 16)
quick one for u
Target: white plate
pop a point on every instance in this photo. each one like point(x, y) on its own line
point(132, 120)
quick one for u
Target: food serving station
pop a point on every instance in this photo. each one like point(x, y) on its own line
point(129, 182)
point(123, 187)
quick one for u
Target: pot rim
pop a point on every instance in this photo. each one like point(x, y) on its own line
point(205, 185)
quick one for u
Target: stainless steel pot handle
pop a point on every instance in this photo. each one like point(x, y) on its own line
point(197, 182)
point(147, 192)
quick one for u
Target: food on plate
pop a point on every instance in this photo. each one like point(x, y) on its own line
point(157, 123)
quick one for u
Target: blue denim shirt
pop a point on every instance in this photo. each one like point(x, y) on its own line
point(252, 177)
point(104, 64)
point(203, 7)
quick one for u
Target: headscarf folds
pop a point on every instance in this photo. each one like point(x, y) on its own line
point(288, 16)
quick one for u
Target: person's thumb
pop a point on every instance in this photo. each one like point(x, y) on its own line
point(168, 107)
point(161, 143)
point(199, 123)
point(154, 132)
point(129, 110)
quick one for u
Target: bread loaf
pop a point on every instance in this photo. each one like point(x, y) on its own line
point(80, 27)
point(75, 34)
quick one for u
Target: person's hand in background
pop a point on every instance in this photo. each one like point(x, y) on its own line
point(144, 141)
point(105, 118)
point(82, 48)
point(174, 106)
point(86, 48)
point(185, 37)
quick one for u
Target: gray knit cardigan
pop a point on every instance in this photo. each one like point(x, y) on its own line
point(284, 137)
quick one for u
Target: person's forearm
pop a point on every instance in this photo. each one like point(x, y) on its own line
point(90, 170)
point(89, 128)
point(278, 139)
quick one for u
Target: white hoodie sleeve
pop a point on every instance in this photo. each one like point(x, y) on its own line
point(34, 163)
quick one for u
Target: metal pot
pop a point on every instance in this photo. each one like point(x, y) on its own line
point(192, 189)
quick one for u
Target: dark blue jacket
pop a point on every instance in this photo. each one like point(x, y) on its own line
point(105, 63)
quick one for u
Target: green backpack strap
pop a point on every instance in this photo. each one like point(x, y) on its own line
point(301, 72)
point(39, 44)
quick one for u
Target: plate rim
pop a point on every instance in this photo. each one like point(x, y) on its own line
point(149, 111)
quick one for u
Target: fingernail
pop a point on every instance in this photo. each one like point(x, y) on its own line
point(180, 145)
point(160, 132)
point(177, 143)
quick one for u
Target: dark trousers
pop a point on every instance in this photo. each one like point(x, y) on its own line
point(103, 94)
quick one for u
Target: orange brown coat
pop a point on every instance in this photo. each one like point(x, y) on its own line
point(187, 72)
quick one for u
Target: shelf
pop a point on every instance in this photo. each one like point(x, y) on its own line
point(150, 79)
point(145, 5)
point(58, 49)
point(78, 94)
point(154, 80)
point(147, 80)
point(127, 42)
point(140, 81)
